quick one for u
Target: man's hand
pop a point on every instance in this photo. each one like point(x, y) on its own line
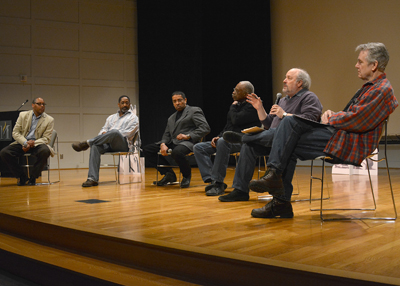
point(182, 137)
point(325, 116)
point(25, 149)
point(254, 100)
point(31, 143)
point(214, 142)
point(164, 149)
point(277, 110)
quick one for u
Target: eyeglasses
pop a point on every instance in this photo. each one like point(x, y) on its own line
point(40, 104)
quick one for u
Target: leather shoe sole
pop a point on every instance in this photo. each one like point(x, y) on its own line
point(80, 146)
point(232, 137)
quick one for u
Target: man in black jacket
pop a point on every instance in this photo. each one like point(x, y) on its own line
point(241, 115)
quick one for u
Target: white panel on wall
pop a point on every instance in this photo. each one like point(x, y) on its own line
point(102, 69)
point(102, 39)
point(131, 71)
point(58, 95)
point(67, 126)
point(131, 42)
point(130, 17)
point(60, 10)
point(56, 38)
point(99, 96)
point(15, 64)
point(15, 8)
point(13, 95)
point(102, 14)
point(15, 35)
point(92, 123)
point(55, 67)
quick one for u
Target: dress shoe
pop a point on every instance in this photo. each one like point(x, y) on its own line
point(232, 137)
point(89, 183)
point(80, 146)
point(168, 178)
point(212, 185)
point(32, 182)
point(275, 208)
point(217, 190)
point(185, 182)
point(22, 180)
point(271, 183)
point(235, 196)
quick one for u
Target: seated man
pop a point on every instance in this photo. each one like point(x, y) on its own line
point(185, 127)
point(115, 136)
point(32, 133)
point(241, 115)
point(300, 101)
point(348, 136)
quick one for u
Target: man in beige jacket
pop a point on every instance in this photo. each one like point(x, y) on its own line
point(32, 133)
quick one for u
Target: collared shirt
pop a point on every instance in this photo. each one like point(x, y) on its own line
point(31, 134)
point(127, 125)
point(359, 128)
point(304, 103)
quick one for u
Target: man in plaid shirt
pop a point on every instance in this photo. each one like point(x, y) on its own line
point(347, 136)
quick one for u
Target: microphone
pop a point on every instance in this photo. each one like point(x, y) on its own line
point(22, 104)
point(278, 97)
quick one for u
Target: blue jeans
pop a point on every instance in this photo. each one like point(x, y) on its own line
point(112, 141)
point(217, 171)
point(296, 138)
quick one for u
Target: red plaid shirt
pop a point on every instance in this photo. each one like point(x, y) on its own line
point(360, 126)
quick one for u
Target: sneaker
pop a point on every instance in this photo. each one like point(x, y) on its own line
point(80, 146)
point(89, 183)
point(235, 196)
point(168, 178)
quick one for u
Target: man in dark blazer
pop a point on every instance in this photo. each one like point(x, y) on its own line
point(185, 127)
point(32, 133)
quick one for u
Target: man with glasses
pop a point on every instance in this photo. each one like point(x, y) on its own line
point(32, 133)
point(115, 136)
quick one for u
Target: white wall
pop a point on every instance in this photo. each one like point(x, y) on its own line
point(78, 55)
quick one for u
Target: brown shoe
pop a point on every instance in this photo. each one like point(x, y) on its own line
point(275, 208)
point(271, 182)
point(80, 146)
point(89, 183)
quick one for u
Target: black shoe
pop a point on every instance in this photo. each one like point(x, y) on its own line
point(275, 208)
point(186, 182)
point(271, 183)
point(22, 180)
point(235, 196)
point(232, 137)
point(217, 190)
point(32, 182)
point(168, 178)
point(213, 184)
point(80, 146)
point(89, 183)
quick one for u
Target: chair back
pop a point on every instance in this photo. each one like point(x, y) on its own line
point(53, 138)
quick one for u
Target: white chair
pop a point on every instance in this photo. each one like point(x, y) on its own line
point(54, 145)
point(116, 165)
point(369, 157)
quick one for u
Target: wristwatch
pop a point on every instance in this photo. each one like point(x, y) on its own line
point(25, 144)
point(284, 115)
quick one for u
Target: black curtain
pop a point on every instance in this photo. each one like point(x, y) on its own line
point(203, 48)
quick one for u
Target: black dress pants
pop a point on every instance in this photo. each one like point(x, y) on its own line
point(179, 153)
point(11, 155)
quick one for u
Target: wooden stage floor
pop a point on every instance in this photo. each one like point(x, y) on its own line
point(187, 220)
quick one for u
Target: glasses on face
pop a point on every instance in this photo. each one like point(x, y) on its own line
point(40, 104)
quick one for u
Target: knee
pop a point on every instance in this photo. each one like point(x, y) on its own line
point(198, 148)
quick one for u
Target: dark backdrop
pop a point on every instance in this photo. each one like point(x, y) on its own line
point(203, 48)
